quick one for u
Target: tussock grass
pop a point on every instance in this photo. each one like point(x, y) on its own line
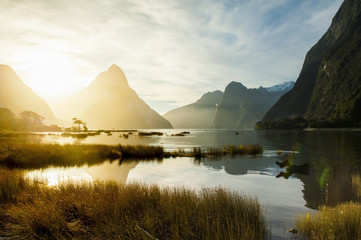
point(107, 210)
point(334, 222)
point(356, 185)
point(340, 222)
point(11, 183)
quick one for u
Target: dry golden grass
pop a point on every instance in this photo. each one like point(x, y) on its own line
point(37, 155)
point(107, 210)
point(339, 222)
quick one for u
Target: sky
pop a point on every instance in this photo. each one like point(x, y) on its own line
point(172, 52)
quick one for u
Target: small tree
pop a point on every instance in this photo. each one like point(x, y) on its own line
point(79, 123)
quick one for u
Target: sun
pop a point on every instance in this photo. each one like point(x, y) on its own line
point(50, 72)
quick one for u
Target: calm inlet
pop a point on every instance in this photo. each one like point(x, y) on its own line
point(332, 157)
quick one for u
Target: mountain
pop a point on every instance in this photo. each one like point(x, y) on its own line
point(329, 84)
point(241, 107)
point(195, 115)
point(17, 96)
point(109, 102)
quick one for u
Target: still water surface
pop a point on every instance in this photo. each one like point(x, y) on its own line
point(333, 156)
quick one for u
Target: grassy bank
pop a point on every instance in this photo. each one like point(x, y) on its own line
point(107, 210)
point(37, 155)
point(334, 222)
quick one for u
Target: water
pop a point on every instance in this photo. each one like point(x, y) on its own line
point(333, 156)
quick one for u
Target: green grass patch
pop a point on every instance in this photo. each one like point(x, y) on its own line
point(107, 210)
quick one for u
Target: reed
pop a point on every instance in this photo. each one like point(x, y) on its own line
point(108, 210)
point(340, 222)
point(38, 155)
point(334, 222)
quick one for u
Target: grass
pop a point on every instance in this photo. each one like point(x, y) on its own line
point(38, 155)
point(340, 222)
point(334, 222)
point(107, 210)
point(145, 134)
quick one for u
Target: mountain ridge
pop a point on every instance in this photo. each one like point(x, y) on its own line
point(242, 107)
point(317, 93)
point(195, 115)
point(109, 102)
point(203, 112)
point(17, 96)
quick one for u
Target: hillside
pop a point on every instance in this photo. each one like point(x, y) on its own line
point(329, 85)
point(109, 102)
point(241, 107)
point(196, 115)
point(17, 96)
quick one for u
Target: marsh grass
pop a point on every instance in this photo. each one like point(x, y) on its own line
point(38, 155)
point(141, 152)
point(147, 134)
point(340, 222)
point(356, 185)
point(334, 222)
point(107, 210)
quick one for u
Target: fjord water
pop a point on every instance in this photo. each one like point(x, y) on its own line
point(333, 156)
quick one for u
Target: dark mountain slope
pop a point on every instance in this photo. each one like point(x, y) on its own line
point(303, 99)
point(241, 107)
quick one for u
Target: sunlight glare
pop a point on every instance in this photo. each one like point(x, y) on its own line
point(50, 73)
point(54, 176)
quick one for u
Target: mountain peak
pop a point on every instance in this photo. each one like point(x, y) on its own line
point(7, 67)
point(114, 68)
point(280, 87)
point(113, 77)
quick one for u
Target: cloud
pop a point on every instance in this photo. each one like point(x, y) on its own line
point(171, 51)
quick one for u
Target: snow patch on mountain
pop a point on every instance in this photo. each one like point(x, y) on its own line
point(280, 87)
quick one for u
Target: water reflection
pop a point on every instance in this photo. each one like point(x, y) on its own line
point(54, 176)
point(332, 156)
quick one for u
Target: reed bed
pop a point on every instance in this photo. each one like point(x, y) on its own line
point(340, 222)
point(334, 222)
point(38, 155)
point(108, 210)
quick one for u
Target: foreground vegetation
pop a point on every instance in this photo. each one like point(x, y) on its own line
point(38, 155)
point(334, 222)
point(107, 210)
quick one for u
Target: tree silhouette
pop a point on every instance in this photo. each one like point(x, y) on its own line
point(79, 122)
point(31, 119)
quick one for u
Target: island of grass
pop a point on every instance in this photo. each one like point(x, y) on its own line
point(38, 155)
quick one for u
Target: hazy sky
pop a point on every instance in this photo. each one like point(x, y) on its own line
point(171, 51)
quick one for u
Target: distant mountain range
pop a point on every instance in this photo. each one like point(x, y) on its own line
point(16, 96)
point(242, 107)
point(329, 85)
point(196, 115)
point(237, 107)
point(109, 102)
